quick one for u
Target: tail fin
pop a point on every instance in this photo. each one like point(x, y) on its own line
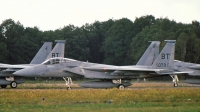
point(150, 54)
point(165, 59)
point(58, 50)
point(42, 53)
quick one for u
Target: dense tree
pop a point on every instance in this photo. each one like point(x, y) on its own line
point(11, 32)
point(117, 42)
point(142, 22)
point(77, 45)
point(33, 39)
point(3, 51)
point(96, 34)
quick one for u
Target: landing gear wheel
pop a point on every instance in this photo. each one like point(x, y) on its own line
point(3, 86)
point(175, 85)
point(69, 88)
point(121, 86)
point(13, 84)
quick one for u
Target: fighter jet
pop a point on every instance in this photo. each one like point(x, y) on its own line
point(6, 70)
point(108, 75)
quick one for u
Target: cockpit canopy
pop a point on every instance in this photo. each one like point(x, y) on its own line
point(57, 60)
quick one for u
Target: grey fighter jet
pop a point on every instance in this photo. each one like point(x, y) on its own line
point(6, 70)
point(109, 75)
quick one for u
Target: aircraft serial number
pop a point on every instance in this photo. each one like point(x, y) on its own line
point(161, 65)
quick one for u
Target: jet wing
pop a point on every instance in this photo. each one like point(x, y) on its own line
point(122, 68)
point(136, 69)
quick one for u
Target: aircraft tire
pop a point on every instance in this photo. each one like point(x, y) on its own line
point(69, 88)
point(175, 85)
point(121, 86)
point(3, 86)
point(13, 84)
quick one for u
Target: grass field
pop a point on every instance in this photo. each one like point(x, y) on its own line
point(144, 97)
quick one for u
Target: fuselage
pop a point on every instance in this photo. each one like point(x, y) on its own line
point(64, 67)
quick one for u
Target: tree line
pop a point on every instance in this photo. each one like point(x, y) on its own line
point(117, 42)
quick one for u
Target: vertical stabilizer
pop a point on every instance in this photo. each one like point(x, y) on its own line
point(150, 54)
point(42, 53)
point(58, 50)
point(165, 59)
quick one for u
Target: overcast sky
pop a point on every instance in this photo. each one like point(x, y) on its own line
point(55, 14)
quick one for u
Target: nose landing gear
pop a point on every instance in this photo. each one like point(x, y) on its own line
point(175, 80)
point(68, 82)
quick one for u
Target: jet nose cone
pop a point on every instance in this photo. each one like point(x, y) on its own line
point(26, 72)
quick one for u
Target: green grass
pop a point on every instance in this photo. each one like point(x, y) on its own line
point(105, 107)
point(101, 100)
point(139, 107)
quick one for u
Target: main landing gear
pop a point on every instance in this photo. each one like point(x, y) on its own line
point(119, 81)
point(68, 82)
point(175, 80)
point(13, 84)
point(9, 81)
